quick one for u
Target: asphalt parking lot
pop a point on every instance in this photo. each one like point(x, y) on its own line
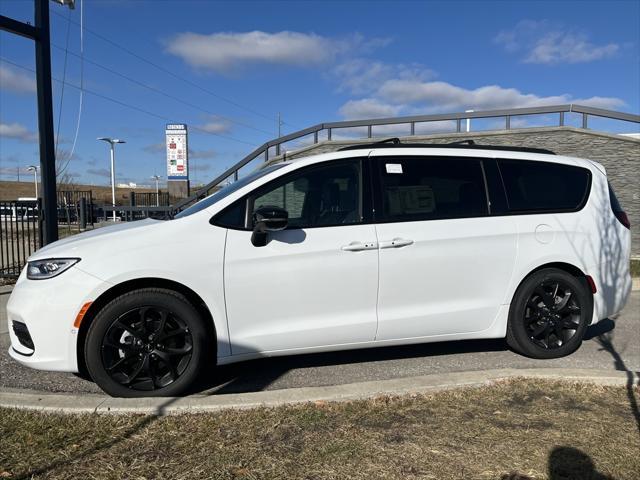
point(613, 344)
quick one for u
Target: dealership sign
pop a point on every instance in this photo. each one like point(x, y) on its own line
point(177, 151)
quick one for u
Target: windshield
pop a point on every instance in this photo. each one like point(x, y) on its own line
point(228, 190)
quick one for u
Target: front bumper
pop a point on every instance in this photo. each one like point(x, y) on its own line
point(48, 309)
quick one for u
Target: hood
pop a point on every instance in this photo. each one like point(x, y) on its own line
point(73, 245)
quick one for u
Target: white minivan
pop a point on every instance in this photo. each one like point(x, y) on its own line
point(373, 245)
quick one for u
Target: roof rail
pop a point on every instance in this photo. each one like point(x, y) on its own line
point(470, 144)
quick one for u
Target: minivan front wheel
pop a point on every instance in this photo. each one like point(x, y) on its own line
point(148, 342)
point(549, 314)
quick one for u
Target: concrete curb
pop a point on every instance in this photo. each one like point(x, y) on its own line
point(63, 403)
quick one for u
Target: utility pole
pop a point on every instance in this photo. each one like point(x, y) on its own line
point(280, 123)
point(40, 34)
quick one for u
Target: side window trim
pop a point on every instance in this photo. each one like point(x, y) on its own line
point(378, 187)
point(579, 207)
point(495, 188)
point(364, 201)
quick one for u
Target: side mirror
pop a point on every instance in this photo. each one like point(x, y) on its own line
point(267, 219)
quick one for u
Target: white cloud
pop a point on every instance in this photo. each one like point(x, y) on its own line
point(155, 148)
point(362, 75)
point(398, 96)
point(230, 51)
point(368, 108)
point(216, 125)
point(557, 47)
point(443, 96)
point(15, 81)
point(100, 172)
point(201, 154)
point(544, 42)
point(18, 132)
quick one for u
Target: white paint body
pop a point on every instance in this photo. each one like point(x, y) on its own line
point(302, 292)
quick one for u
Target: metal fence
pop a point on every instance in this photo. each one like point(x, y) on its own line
point(20, 234)
point(76, 207)
point(149, 199)
point(410, 122)
point(128, 213)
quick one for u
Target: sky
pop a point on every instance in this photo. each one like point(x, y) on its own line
point(227, 69)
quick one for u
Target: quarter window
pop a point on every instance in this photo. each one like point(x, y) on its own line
point(431, 188)
point(544, 186)
point(327, 195)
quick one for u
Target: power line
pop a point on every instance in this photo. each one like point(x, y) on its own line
point(64, 77)
point(127, 105)
point(161, 92)
point(167, 71)
point(81, 96)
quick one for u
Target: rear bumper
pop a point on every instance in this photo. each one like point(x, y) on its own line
point(612, 294)
point(48, 309)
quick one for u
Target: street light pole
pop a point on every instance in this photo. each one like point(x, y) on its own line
point(156, 178)
point(112, 142)
point(34, 169)
point(468, 120)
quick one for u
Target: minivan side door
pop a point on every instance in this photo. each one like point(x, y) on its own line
point(445, 263)
point(313, 284)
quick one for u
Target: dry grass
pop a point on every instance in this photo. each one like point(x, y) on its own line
point(518, 429)
point(635, 267)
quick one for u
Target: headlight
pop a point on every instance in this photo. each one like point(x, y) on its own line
point(51, 267)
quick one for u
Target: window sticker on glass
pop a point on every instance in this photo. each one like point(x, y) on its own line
point(411, 200)
point(394, 167)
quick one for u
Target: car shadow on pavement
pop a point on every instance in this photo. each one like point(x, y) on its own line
point(257, 375)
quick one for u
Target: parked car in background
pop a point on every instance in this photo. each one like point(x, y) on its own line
point(374, 245)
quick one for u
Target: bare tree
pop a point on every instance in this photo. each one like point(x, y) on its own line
point(64, 178)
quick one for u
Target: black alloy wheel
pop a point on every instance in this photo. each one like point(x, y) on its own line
point(552, 314)
point(549, 314)
point(147, 348)
point(146, 343)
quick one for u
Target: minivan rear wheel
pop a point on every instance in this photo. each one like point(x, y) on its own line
point(549, 314)
point(146, 343)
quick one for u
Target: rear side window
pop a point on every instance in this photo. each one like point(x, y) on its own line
point(543, 186)
point(431, 188)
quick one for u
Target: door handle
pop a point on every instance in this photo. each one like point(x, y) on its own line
point(359, 246)
point(396, 243)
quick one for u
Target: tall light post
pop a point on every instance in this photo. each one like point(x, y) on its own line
point(468, 120)
point(112, 142)
point(157, 178)
point(34, 169)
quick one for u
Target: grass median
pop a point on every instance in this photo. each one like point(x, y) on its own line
point(515, 429)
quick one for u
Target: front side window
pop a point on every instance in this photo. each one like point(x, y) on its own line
point(321, 196)
point(431, 188)
point(543, 186)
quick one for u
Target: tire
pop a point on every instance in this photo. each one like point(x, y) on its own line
point(146, 343)
point(549, 314)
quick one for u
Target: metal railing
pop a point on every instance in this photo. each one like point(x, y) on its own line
point(20, 234)
point(412, 121)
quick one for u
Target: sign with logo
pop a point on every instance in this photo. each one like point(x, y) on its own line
point(177, 152)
